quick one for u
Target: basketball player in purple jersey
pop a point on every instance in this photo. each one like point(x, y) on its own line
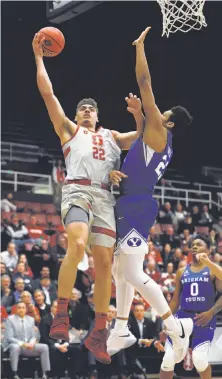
point(87, 203)
point(136, 211)
point(195, 295)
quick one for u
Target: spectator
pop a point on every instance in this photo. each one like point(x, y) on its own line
point(31, 310)
point(41, 256)
point(154, 237)
point(213, 240)
point(20, 339)
point(179, 213)
point(151, 270)
point(28, 270)
point(17, 231)
point(3, 313)
point(186, 236)
point(59, 351)
point(90, 272)
point(20, 273)
point(44, 273)
point(168, 279)
point(206, 218)
point(167, 214)
point(10, 257)
point(167, 254)
point(169, 237)
point(186, 224)
point(7, 298)
point(59, 251)
point(195, 215)
point(35, 232)
point(218, 225)
point(218, 259)
point(154, 253)
point(3, 268)
point(146, 334)
point(58, 178)
point(40, 303)
point(48, 289)
point(177, 257)
point(19, 289)
point(7, 205)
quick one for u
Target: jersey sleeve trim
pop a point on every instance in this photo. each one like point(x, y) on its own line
point(77, 129)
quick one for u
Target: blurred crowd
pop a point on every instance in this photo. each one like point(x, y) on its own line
point(29, 272)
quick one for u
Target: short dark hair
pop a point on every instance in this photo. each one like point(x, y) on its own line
point(139, 304)
point(87, 101)
point(181, 117)
point(203, 238)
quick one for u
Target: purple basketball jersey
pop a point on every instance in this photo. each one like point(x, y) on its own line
point(198, 291)
point(144, 167)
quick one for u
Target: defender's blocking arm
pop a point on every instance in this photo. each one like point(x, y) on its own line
point(144, 82)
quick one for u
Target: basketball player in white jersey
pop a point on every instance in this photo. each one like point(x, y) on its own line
point(87, 204)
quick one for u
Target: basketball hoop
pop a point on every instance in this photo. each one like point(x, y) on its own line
point(182, 15)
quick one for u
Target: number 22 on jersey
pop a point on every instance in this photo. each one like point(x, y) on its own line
point(98, 151)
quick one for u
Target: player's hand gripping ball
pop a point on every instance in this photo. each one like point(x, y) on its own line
point(53, 42)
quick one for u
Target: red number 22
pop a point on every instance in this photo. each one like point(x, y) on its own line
point(98, 153)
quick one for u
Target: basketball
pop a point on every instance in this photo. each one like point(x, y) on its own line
point(54, 41)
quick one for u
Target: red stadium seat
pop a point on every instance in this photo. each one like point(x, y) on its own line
point(55, 220)
point(34, 207)
point(165, 227)
point(202, 230)
point(48, 208)
point(21, 204)
point(24, 217)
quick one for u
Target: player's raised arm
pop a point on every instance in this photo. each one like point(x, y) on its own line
point(144, 82)
point(125, 140)
point(174, 304)
point(214, 268)
point(62, 125)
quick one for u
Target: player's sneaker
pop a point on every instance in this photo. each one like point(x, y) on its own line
point(119, 339)
point(96, 343)
point(60, 327)
point(181, 341)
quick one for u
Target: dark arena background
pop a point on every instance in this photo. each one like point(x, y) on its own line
point(98, 61)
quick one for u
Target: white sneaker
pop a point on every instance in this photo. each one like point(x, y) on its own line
point(119, 339)
point(181, 341)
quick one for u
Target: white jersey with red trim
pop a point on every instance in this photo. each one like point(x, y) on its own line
point(91, 155)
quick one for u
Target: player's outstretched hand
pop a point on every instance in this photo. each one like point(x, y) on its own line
point(203, 318)
point(116, 177)
point(134, 104)
point(37, 44)
point(142, 37)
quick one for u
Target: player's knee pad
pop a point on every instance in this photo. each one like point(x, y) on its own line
point(168, 358)
point(200, 357)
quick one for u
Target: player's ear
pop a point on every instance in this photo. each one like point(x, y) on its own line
point(170, 124)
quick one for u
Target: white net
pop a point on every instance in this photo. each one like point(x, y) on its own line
point(182, 15)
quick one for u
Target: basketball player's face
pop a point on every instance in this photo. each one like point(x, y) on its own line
point(87, 116)
point(165, 117)
point(198, 247)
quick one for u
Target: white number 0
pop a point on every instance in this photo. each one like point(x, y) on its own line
point(194, 289)
point(161, 167)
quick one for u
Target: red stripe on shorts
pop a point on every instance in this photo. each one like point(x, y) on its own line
point(67, 151)
point(107, 232)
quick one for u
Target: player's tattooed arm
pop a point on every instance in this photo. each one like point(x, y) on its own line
point(175, 302)
point(218, 305)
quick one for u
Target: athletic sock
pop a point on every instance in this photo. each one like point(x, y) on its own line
point(100, 320)
point(121, 324)
point(62, 306)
